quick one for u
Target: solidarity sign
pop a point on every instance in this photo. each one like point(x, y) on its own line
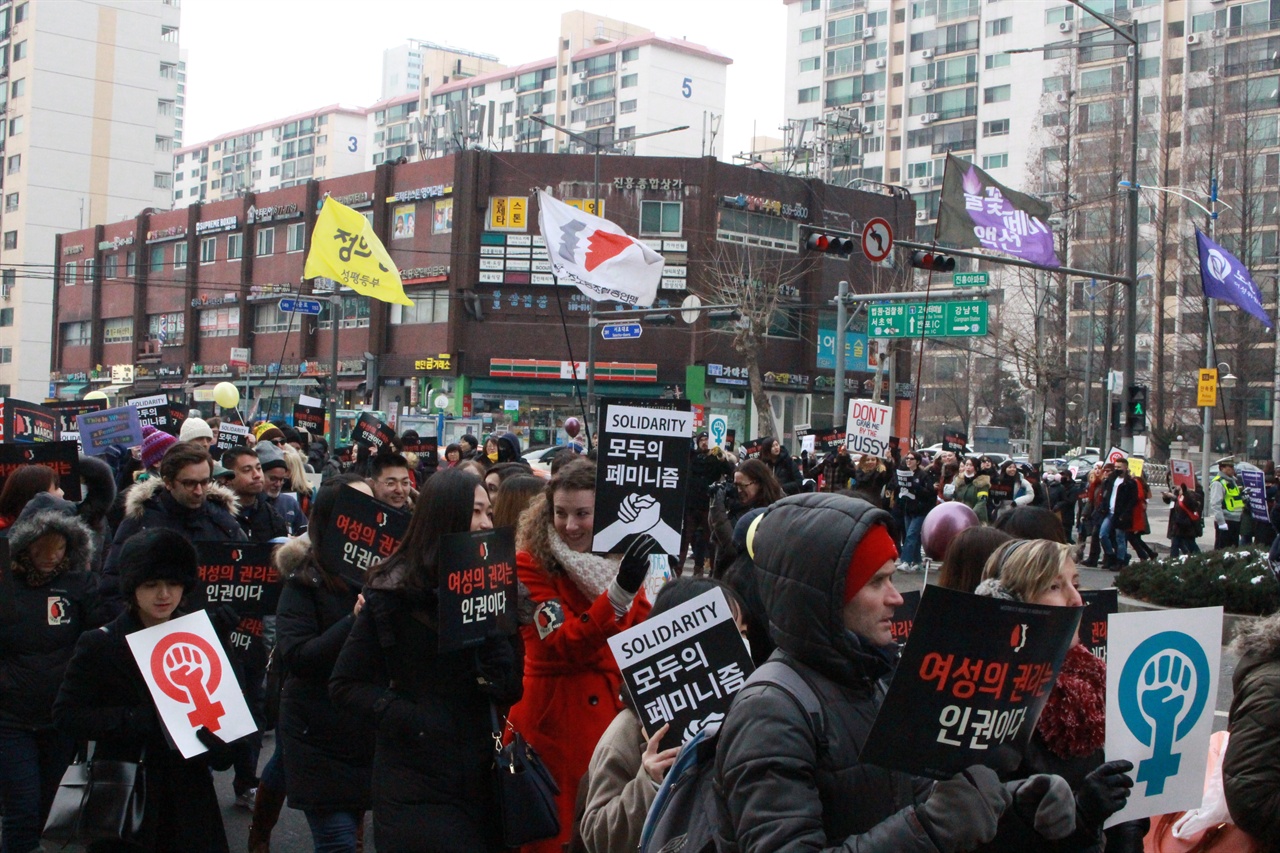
point(191, 681)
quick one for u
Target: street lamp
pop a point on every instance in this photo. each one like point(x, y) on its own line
point(1226, 380)
point(442, 402)
point(1071, 407)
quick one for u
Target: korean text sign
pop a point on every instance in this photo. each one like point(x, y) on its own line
point(1256, 484)
point(308, 414)
point(477, 586)
point(68, 410)
point(157, 411)
point(362, 533)
point(231, 435)
point(1099, 604)
point(239, 574)
point(426, 449)
point(371, 432)
point(100, 430)
point(683, 666)
point(191, 681)
point(28, 423)
point(641, 476)
point(61, 456)
point(868, 428)
point(970, 684)
point(1162, 684)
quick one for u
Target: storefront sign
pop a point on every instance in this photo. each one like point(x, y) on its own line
point(793, 380)
point(270, 291)
point(419, 275)
point(477, 587)
point(213, 226)
point(72, 250)
point(648, 183)
point(351, 200)
point(122, 374)
point(270, 214)
point(205, 300)
point(440, 363)
point(421, 193)
point(115, 243)
point(173, 232)
point(725, 374)
point(756, 204)
point(508, 213)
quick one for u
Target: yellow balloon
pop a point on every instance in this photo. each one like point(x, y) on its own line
point(95, 395)
point(226, 395)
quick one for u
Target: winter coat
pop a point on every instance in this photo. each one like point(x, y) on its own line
point(99, 494)
point(1184, 515)
point(432, 786)
point(837, 471)
point(916, 493)
point(1063, 500)
point(35, 649)
point(571, 682)
point(619, 790)
point(704, 470)
point(871, 483)
point(784, 468)
point(289, 507)
point(148, 504)
point(328, 753)
point(1126, 499)
point(973, 493)
point(770, 775)
point(104, 699)
point(1138, 518)
point(260, 521)
point(1250, 772)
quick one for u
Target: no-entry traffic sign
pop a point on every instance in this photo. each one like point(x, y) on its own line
point(877, 239)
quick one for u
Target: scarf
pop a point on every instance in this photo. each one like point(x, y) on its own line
point(22, 565)
point(590, 573)
point(1072, 723)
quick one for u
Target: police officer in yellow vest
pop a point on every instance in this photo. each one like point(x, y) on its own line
point(1226, 504)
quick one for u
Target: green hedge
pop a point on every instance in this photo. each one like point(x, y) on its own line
point(1241, 580)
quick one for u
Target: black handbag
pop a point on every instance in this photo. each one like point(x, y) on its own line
point(525, 791)
point(98, 799)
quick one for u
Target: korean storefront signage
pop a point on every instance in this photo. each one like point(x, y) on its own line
point(648, 183)
point(352, 199)
point(725, 374)
point(756, 204)
point(270, 291)
point(272, 213)
point(173, 232)
point(421, 193)
point(213, 226)
point(116, 243)
point(508, 213)
point(204, 300)
point(412, 275)
point(72, 250)
point(441, 362)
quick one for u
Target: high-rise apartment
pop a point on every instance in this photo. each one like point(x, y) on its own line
point(90, 100)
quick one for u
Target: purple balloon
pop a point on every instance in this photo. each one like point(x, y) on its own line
point(942, 524)
point(571, 427)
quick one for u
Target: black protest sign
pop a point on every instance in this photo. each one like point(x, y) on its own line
point(231, 435)
point(8, 606)
point(68, 410)
point(904, 616)
point(956, 442)
point(62, 456)
point(28, 423)
point(239, 574)
point(155, 410)
point(753, 447)
point(310, 418)
point(426, 448)
point(683, 666)
point(477, 587)
point(1098, 605)
point(362, 533)
point(371, 432)
point(970, 683)
point(642, 473)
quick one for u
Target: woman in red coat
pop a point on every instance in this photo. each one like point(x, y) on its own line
point(571, 683)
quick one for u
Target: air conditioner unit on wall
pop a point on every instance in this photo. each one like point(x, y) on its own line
point(1194, 38)
point(1064, 27)
point(922, 216)
point(879, 63)
point(866, 128)
point(927, 53)
point(580, 100)
point(868, 96)
point(582, 75)
point(1212, 71)
point(1063, 97)
point(869, 33)
point(924, 182)
point(926, 85)
point(1219, 34)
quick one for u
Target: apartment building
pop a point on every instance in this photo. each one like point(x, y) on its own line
point(90, 107)
point(417, 66)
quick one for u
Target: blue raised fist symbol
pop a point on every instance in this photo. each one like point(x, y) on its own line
point(717, 431)
point(1163, 689)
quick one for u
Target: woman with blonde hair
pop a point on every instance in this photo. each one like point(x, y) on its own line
point(296, 464)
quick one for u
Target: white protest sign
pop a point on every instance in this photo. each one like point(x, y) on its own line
point(304, 400)
point(717, 429)
point(191, 681)
point(806, 444)
point(868, 428)
point(1162, 685)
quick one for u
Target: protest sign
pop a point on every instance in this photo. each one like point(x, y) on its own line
point(72, 435)
point(8, 607)
point(954, 441)
point(371, 432)
point(868, 428)
point(904, 616)
point(477, 587)
point(362, 533)
point(1162, 684)
point(751, 449)
point(155, 410)
point(825, 440)
point(1115, 455)
point(1098, 605)
point(1135, 465)
point(1256, 493)
point(191, 681)
point(1182, 474)
point(27, 423)
point(642, 473)
point(239, 574)
point(717, 430)
point(68, 410)
point(976, 671)
point(308, 414)
point(101, 429)
point(426, 449)
point(683, 666)
point(231, 435)
point(61, 456)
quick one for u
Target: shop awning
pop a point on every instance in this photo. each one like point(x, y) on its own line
point(72, 390)
point(112, 390)
point(293, 382)
point(349, 384)
point(546, 388)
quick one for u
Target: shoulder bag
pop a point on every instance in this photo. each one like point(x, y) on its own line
point(98, 799)
point(525, 791)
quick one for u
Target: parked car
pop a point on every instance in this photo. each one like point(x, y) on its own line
point(539, 458)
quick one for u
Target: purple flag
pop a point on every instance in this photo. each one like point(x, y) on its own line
point(976, 212)
point(1224, 277)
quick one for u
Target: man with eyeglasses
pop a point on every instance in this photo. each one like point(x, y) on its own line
point(183, 498)
point(391, 481)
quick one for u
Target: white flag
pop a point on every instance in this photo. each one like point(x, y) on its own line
point(598, 256)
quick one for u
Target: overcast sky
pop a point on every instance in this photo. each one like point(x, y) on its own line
point(251, 61)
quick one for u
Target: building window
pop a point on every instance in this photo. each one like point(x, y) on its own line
point(997, 94)
point(15, 164)
point(164, 108)
point(11, 239)
point(19, 88)
point(69, 273)
point(20, 51)
point(164, 143)
point(208, 250)
point(297, 237)
point(168, 71)
point(16, 125)
point(1000, 127)
point(162, 181)
point(131, 264)
point(6, 316)
point(76, 334)
point(429, 306)
point(166, 328)
point(631, 54)
point(6, 355)
point(266, 241)
point(811, 63)
point(235, 247)
point(811, 5)
point(1000, 26)
point(353, 314)
point(219, 322)
point(995, 161)
point(10, 202)
point(117, 330)
point(179, 256)
point(20, 13)
point(157, 259)
point(267, 317)
point(111, 266)
point(661, 218)
point(997, 60)
point(809, 34)
point(810, 95)
point(627, 107)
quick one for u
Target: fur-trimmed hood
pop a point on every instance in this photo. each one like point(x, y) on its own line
point(139, 493)
point(31, 526)
point(1259, 639)
point(100, 489)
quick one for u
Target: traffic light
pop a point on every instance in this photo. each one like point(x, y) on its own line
point(933, 261)
point(830, 244)
point(1137, 409)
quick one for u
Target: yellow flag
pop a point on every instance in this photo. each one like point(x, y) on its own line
point(345, 249)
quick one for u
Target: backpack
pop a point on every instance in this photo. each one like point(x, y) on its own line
point(685, 817)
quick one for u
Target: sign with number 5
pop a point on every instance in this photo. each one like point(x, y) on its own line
point(686, 88)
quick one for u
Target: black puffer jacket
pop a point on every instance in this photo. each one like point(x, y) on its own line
point(432, 789)
point(99, 494)
point(35, 649)
point(784, 468)
point(328, 754)
point(260, 521)
point(1250, 771)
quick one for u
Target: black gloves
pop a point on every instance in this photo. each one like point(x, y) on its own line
point(964, 811)
point(221, 754)
point(635, 562)
point(1104, 792)
point(1045, 801)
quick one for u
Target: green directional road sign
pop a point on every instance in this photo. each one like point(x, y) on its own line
point(945, 319)
point(971, 279)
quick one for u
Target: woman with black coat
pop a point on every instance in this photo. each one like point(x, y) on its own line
point(328, 753)
point(773, 454)
point(104, 699)
point(432, 784)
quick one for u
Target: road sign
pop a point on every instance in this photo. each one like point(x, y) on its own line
point(971, 279)
point(297, 305)
point(877, 239)
point(945, 319)
point(1207, 388)
point(620, 331)
point(689, 308)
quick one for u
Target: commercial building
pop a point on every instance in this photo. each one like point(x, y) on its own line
point(488, 324)
point(89, 111)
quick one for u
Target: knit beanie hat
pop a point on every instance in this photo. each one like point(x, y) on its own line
point(875, 549)
point(195, 428)
point(268, 432)
point(154, 445)
point(270, 456)
point(157, 554)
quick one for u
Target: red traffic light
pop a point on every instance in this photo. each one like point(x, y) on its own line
point(829, 244)
point(933, 261)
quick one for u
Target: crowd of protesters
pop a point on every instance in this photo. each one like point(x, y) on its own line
point(372, 718)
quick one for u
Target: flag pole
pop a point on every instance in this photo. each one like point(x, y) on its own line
point(1206, 443)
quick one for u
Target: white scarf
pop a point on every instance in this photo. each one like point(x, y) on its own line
point(590, 573)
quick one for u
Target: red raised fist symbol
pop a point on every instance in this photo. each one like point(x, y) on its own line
point(188, 670)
